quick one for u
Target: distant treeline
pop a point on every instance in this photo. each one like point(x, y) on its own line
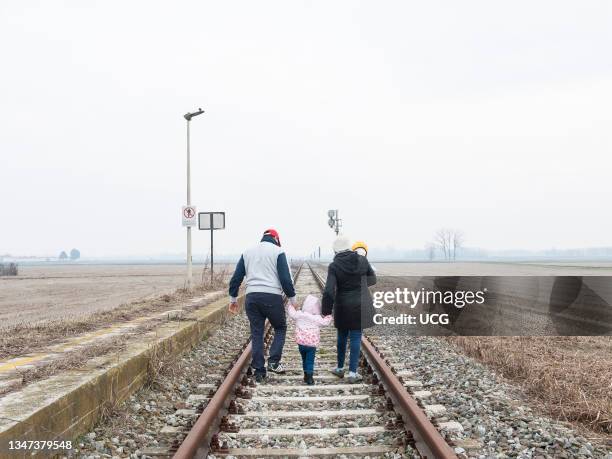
point(478, 254)
point(9, 269)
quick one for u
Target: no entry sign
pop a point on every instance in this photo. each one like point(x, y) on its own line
point(190, 216)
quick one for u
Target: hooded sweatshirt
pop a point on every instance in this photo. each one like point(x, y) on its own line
point(346, 291)
point(266, 270)
point(308, 321)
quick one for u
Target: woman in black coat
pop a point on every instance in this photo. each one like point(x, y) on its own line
point(348, 297)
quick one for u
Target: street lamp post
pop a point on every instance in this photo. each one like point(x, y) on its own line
point(188, 117)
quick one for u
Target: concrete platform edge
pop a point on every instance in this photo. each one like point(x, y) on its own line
point(65, 413)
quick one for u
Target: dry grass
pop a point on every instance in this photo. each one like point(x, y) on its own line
point(73, 359)
point(23, 338)
point(571, 377)
point(78, 358)
point(219, 278)
point(160, 363)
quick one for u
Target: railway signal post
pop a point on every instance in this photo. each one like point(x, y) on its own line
point(334, 221)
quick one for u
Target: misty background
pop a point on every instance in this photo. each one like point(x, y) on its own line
point(493, 118)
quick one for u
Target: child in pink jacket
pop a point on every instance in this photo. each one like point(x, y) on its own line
point(308, 322)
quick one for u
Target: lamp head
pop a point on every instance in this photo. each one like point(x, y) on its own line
point(188, 116)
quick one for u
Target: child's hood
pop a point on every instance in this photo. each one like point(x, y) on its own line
point(312, 305)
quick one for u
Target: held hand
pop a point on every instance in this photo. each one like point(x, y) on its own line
point(233, 308)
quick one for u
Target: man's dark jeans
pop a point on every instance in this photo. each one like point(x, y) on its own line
point(259, 307)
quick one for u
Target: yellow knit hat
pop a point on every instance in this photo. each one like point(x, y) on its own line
point(360, 245)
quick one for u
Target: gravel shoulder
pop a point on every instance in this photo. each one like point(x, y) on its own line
point(494, 413)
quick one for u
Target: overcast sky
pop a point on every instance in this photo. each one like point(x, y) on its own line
point(492, 117)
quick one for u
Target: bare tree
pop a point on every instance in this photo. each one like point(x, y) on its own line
point(449, 241)
point(442, 239)
point(457, 239)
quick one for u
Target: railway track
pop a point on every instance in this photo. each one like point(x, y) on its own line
point(285, 418)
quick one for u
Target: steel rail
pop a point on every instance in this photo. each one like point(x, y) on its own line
point(197, 442)
point(428, 441)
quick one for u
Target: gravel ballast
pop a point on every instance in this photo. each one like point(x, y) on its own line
point(496, 418)
point(128, 431)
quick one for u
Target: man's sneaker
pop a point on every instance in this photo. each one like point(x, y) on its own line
point(276, 368)
point(339, 372)
point(261, 378)
point(354, 378)
point(309, 379)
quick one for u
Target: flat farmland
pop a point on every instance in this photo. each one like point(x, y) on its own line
point(54, 292)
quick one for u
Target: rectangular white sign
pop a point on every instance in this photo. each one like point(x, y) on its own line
point(211, 220)
point(190, 216)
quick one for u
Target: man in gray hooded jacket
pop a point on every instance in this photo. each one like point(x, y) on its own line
point(268, 276)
